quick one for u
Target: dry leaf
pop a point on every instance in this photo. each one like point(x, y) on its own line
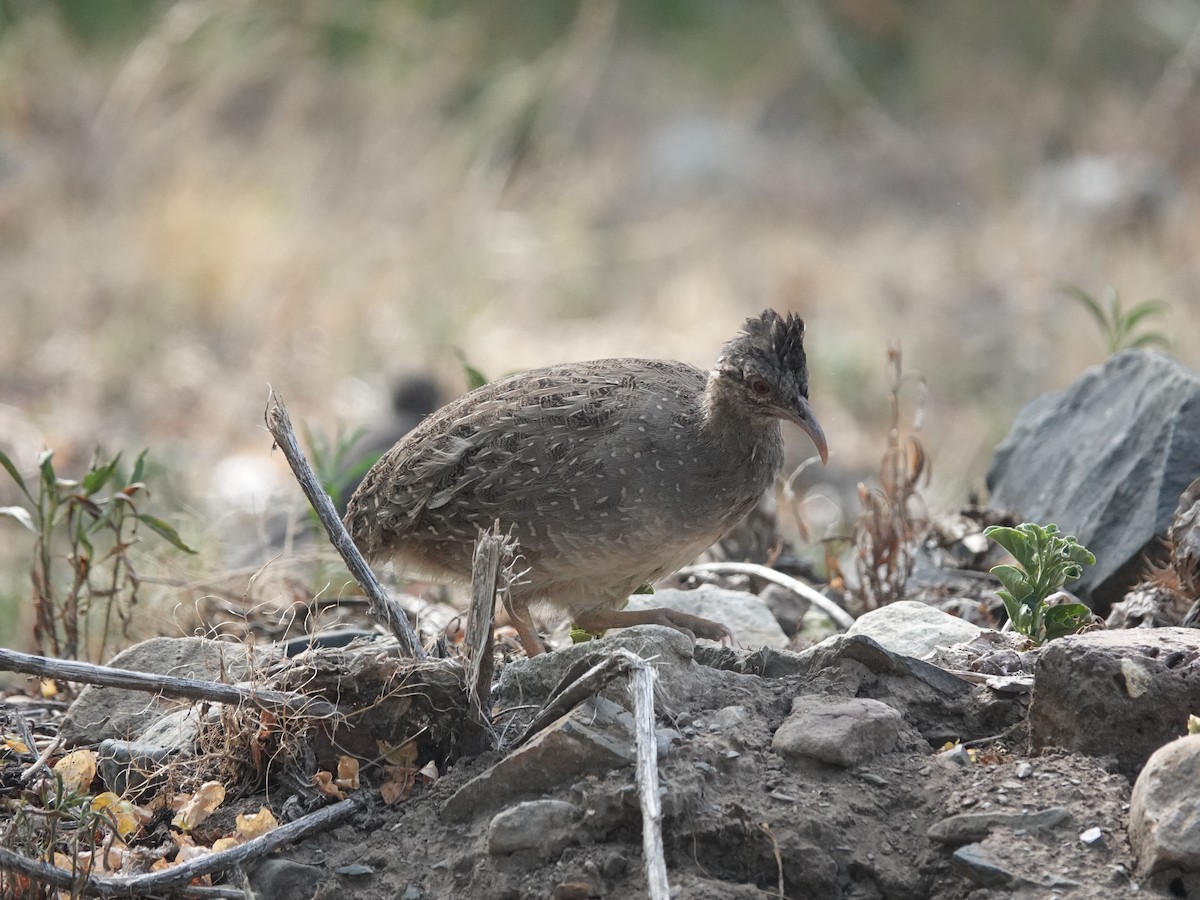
point(77, 769)
point(397, 784)
point(324, 783)
point(347, 773)
point(200, 806)
point(429, 772)
point(123, 813)
point(48, 689)
point(254, 825)
point(401, 755)
point(226, 843)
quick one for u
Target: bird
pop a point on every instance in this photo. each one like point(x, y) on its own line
point(608, 474)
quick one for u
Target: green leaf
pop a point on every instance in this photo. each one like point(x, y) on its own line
point(1065, 619)
point(139, 468)
point(164, 530)
point(96, 478)
point(475, 378)
point(15, 475)
point(46, 467)
point(1014, 581)
point(21, 514)
point(644, 589)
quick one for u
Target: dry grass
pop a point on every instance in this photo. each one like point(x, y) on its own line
point(226, 202)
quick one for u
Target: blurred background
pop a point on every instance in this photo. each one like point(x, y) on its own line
point(201, 199)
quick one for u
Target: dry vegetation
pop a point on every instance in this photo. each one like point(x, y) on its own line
point(320, 196)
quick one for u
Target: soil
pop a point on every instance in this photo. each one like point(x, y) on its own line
point(740, 821)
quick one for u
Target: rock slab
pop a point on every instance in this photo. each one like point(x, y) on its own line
point(1106, 460)
point(1122, 693)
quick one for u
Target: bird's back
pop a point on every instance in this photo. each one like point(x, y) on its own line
point(573, 458)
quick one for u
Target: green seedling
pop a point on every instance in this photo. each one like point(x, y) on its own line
point(84, 584)
point(1120, 326)
point(1046, 561)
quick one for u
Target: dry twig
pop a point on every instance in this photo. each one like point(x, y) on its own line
point(381, 606)
point(170, 685)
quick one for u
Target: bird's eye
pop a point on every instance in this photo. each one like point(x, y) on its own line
point(759, 387)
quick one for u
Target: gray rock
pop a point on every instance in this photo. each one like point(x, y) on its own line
point(283, 879)
point(746, 615)
point(596, 736)
point(1106, 460)
point(101, 713)
point(530, 681)
point(912, 628)
point(1120, 693)
point(126, 766)
point(544, 826)
point(788, 607)
point(967, 828)
point(974, 862)
point(1164, 811)
point(843, 732)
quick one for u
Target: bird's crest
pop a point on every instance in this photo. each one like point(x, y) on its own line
point(772, 337)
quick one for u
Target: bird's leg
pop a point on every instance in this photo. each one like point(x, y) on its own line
point(598, 621)
point(518, 612)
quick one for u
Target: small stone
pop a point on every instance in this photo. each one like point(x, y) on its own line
point(411, 892)
point(547, 826)
point(355, 870)
point(1091, 836)
point(1024, 769)
point(841, 732)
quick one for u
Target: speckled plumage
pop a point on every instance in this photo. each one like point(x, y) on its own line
point(609, 473)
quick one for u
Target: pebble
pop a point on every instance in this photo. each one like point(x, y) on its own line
point(1092, 836)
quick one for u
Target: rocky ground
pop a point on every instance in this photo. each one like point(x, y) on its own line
point(846, 770)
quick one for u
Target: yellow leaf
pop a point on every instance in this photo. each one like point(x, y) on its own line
point(15, 744)
point(347, 774)
point(208, 797)
point(124, 813)
point(77, 769)
point(252, 825)
point(324, 783)
point(225, 843)
point(49, 690)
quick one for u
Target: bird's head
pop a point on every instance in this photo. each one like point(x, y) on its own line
point(766, 363)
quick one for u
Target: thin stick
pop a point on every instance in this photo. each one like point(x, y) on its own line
point(840, 617)
point(382, 608)
point(586, 685)
point(170, 685)
point(641, 685)
point(176, 878)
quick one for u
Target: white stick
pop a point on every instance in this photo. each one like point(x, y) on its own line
point(641, 684)
point(840, 617)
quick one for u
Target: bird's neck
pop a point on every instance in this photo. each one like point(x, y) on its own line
point(738, 433)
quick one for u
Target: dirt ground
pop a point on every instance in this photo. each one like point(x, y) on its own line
point(740, 821)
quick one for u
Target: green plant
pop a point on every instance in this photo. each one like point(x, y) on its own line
point(1119, 325)
point(1045, 562)
point(82, 537)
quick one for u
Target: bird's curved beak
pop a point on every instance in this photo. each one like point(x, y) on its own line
point(803, 416)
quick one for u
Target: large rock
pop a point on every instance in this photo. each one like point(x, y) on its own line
point(1164, 811)
point(1119, 693)
point(103, 713)
point(913, 628)
point(838, 731)
point(1106, 460)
